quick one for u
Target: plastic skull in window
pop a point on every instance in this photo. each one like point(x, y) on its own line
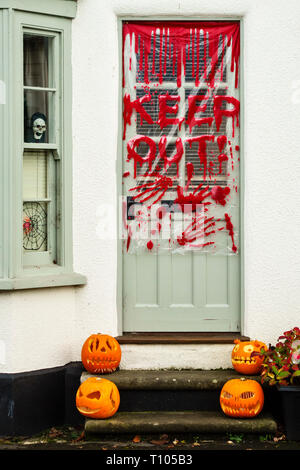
point(39, 127)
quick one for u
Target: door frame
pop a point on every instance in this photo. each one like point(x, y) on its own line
point(119, 157)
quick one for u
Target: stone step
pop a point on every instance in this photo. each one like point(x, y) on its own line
point(170, 422)
point(178, 390)
point(169, 379)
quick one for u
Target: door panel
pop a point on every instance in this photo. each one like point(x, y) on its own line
point(173, 292)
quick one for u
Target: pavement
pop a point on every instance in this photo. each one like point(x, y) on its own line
point(68, 438)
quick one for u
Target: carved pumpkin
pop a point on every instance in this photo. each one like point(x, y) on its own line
point(97, 398)
point(242, 359)
point(101, 354)
point(242, 398)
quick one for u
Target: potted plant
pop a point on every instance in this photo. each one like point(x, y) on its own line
point(281, 367)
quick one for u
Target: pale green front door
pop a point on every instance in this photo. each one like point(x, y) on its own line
point(181, 284)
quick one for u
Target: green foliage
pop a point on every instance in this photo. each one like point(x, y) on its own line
point(281, 362)
point(266, 438)
point(236, 437)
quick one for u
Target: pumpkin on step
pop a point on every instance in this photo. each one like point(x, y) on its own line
point(242, 359)
point(101, 354)
point(242, 398)
point(97, 398)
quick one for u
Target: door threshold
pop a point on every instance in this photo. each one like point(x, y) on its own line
point(180, 338)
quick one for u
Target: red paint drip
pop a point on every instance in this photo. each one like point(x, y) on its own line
point(161, 212)
point(231, 113)
point(190, 173)
point(160, 54)
point(128, 238)
point(204, 58)
point(150, 245)
point(137, 158)
point(222, 158)
point(229, 227)
point(193, 109)
point(222, 58)
point(202, 141)
point(193, 53)
point(213, 52)
point(137, 105)
point(231, 155)
point(165, 57)
point(154, 49)
point(146, 64)
point(130, 59)
point(210, 170)
point(180, 37)
point(152, 188)
point(196, 231)
point(221, 139)
point(124, 214)
point(218, 194)
point(192, 199)
point(164, 109)
point(198, 56)
point(168, 161)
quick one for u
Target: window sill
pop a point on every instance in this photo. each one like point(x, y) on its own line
point(64, 8)
point(42, 280)
point(180, 338)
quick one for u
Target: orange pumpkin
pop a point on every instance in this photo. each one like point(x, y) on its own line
point(242, 398)
point(242, 359)
point(101, 354)
point(97, 398)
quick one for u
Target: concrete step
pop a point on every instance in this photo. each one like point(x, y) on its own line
point(200, 422)
point(169, 379)
point(185, 401)
point(178, 390)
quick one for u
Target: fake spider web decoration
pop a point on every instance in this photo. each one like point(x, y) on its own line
point(34, 226)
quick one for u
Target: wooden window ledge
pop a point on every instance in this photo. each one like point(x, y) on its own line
point(180, 338)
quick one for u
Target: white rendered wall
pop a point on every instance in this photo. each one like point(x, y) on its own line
point(45, 328)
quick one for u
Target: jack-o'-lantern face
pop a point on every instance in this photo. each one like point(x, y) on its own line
point(242, 398)
point(101, 354)
point(242, 359)
point(97, 398)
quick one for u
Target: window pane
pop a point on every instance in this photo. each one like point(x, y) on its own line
point(36, 61)
point(35, 175)
point(35, 226)
point(213, 172)
point(38, 116)
point(152, 108)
